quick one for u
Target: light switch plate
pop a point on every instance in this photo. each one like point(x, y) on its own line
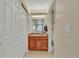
point(67, 28)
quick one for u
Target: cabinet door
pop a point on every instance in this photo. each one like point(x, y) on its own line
point(32, 44)
point(38, 44)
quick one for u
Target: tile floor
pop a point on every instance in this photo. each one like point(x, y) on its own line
point(38, 54)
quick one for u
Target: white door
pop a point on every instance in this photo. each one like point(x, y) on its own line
point(2, 48)
point(6, 12)
point(12, 29)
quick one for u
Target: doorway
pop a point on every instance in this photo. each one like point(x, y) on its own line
point(38, 38)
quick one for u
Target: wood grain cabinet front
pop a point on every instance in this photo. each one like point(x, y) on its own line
point(38, 43)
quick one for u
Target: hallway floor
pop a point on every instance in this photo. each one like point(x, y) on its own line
point(38, 54)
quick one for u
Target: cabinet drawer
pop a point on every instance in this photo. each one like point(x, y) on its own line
point(44, 41)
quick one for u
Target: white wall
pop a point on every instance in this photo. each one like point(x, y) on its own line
point(13, 29)
point(49, 34)
point(30, 29)
point(51, 27)
point(67, 43)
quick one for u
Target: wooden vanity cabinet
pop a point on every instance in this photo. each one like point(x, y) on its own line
point(38, 42)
